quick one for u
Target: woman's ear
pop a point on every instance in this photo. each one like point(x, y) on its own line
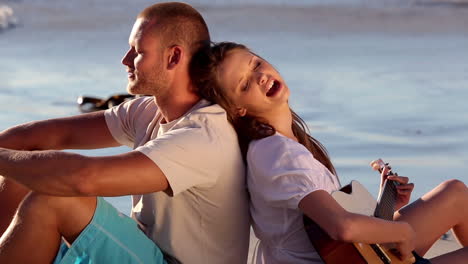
point(241, 111)
point(175, 56)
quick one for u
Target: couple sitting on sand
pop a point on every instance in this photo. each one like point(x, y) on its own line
point(187, 171)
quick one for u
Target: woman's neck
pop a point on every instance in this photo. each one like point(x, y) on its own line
point(282, 120)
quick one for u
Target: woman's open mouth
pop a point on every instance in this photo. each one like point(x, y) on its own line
point(274, 88)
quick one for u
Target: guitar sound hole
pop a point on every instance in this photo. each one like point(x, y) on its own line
point(381, 254)
point(347, 189)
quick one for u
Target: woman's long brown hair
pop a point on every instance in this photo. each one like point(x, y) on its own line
point(204, 74)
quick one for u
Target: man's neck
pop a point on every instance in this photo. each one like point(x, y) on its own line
point(174, 106)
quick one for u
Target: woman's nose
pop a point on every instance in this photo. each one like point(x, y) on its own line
point(262, 78)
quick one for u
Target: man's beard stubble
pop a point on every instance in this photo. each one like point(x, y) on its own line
point(149, 84)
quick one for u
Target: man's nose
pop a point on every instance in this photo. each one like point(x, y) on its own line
point(127, 60)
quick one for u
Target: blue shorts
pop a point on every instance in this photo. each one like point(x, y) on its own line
point(111, 237)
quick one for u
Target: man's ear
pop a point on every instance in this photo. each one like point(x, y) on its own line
point(241, 111)
point(175, 56)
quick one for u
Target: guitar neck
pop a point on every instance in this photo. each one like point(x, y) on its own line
point(386, 201)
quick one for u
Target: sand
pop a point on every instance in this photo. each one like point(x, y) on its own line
point(447, 244)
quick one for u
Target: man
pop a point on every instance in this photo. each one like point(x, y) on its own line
point(185, 173)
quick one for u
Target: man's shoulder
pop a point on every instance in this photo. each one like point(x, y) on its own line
point(206, 107)
point(138, 105)
point(209, 115)
point(143, 102)
point(208, 122)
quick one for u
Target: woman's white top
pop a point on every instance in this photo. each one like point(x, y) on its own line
point(280, 173)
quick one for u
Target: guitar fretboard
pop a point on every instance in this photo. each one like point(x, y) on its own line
point(384, 210)
point(386, 202)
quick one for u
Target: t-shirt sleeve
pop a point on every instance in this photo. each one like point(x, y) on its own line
point(285, 171)
point(188, 156)
point(123, 120)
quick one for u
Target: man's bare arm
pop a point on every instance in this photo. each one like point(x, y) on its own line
point(69, 174)
point(86, 131)
point(80, 132)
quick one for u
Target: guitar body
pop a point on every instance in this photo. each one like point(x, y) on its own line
point(331, 251)
point(356, 199)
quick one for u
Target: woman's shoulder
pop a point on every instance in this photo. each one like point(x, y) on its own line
point(275, 147)
point(276, 142)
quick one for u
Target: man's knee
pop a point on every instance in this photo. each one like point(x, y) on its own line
point(70, 215)
point(46, 205)
point(11, 194)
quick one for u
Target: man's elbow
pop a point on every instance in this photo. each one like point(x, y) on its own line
point(83, 183)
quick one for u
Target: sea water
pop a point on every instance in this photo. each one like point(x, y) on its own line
point(372, 79)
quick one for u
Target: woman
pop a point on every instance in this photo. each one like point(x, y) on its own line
point(290, 173)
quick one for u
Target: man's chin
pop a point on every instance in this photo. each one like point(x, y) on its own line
point(132, 89)
point(131, 92)
point(140, 88)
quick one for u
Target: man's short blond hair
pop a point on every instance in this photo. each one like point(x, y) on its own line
point(177, 24)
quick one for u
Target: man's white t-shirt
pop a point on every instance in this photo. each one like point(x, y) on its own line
point(205, 219)
point(281, 172)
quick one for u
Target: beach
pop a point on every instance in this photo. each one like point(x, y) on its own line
point(372, 79)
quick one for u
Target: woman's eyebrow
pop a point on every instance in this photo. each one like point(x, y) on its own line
point(251, 60)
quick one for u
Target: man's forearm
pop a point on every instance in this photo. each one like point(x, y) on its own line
point(19, 137)
point(86, 131)
point(49, 172)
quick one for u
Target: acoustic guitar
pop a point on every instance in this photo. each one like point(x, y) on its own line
point(356, 199)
